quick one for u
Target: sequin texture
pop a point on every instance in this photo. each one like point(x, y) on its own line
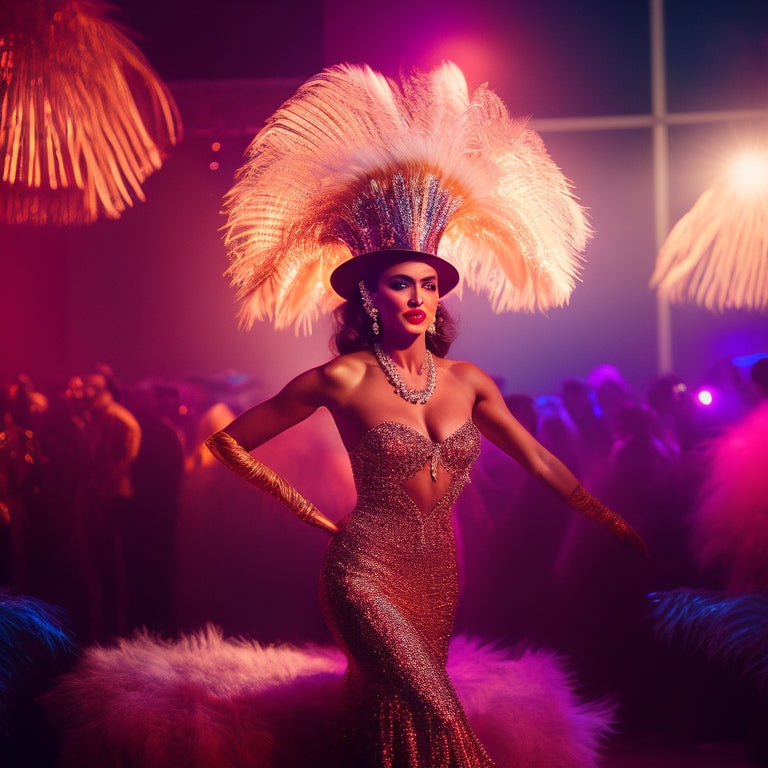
point(389, 590)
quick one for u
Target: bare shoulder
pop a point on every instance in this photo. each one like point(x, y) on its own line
point(467, 374)
point(325, 380)
point(346, 370)
point(340, 377)
point(330, 385)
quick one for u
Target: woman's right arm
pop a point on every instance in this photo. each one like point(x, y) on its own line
point(232, 445)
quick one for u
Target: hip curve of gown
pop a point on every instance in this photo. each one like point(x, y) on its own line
point(389, 591)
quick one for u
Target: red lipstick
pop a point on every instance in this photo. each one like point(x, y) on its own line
point(415, 316)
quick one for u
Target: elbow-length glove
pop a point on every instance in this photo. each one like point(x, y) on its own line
point(583, 501)
point(230, 453)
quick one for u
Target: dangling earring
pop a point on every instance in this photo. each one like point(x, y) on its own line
point(432, 328)
point(370, 310)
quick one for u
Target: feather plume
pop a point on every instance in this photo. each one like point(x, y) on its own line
point(84, 119)
point(355, 162)
point(732, 629)
point(729, 526)
point(34, 641)
point(717, 254)
point(204, 701)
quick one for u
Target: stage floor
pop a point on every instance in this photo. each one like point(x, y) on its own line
point(639, 753)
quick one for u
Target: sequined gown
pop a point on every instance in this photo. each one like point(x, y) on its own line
point(389, 590)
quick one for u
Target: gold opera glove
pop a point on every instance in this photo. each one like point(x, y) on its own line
point(229, 452)
point(583, 501)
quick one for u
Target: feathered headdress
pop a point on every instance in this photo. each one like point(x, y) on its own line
point(84, 119)
point(356, 163)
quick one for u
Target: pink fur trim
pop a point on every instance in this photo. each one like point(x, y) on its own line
point(204, 701)
point(524, 709)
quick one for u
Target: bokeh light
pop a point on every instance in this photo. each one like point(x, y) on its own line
point(749, 172)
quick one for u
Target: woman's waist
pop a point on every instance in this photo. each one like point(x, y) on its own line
point(396, 530)
point(391, 548)
point(401, 513)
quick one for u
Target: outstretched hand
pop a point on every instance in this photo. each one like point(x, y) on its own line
point(626, 533)
point(583, 501)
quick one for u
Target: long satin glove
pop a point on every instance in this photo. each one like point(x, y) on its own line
point(230, 453)
point(583, 501)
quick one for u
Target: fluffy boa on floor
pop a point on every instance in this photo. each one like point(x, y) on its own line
point(205, 701)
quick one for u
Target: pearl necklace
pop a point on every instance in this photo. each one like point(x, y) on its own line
point(415, 396)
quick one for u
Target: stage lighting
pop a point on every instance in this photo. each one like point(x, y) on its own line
point(749, 172)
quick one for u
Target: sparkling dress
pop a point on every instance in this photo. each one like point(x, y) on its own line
point(389, 590)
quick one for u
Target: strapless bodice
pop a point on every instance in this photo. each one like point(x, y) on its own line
point(391, 452)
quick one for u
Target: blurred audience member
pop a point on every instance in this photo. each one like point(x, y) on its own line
point(758, 375)
point(150, 531)
point(20, 464)
point(113, 436)
point(580, 401)
point(612, 393)
point(676, 408)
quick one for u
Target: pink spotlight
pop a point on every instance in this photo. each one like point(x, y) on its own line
point(704, 397)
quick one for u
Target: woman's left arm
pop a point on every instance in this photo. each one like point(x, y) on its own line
point(495, 422)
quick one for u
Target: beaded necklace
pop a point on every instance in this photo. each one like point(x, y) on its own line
point(410, 394)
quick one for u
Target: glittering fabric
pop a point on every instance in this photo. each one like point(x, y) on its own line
point(389, 589)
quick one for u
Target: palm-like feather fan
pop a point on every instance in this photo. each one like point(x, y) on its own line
point(355, 162)
point(84, 119)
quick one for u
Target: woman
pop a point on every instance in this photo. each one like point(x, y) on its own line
point(349, 190)
point(389, 581)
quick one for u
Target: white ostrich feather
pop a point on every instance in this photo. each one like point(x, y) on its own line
point(355, 161)
point(717, 254)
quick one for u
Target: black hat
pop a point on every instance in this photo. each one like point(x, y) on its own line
point(347, 276)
